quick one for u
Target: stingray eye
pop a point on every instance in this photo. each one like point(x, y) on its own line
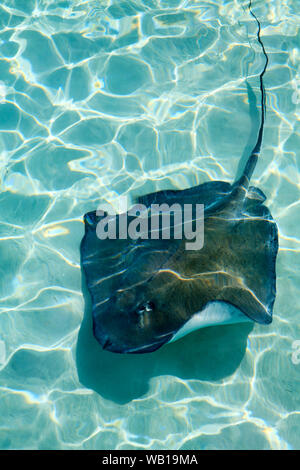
point(150, 306)
point(145, 307)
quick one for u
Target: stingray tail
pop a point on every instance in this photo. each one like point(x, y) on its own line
point(252, 160)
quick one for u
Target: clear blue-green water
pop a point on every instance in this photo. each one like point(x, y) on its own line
point(106, 98)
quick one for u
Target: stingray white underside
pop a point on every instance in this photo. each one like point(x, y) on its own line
point(215, 313)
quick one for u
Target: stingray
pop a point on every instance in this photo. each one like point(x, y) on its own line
point(149, 290)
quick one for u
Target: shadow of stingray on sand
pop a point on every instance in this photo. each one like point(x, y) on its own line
point(209, 354)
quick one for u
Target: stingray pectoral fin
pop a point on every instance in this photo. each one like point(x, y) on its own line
point(245, 300)
point(213, 314)
point(208, 193)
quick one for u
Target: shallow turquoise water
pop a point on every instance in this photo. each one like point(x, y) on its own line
point(105, 98)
